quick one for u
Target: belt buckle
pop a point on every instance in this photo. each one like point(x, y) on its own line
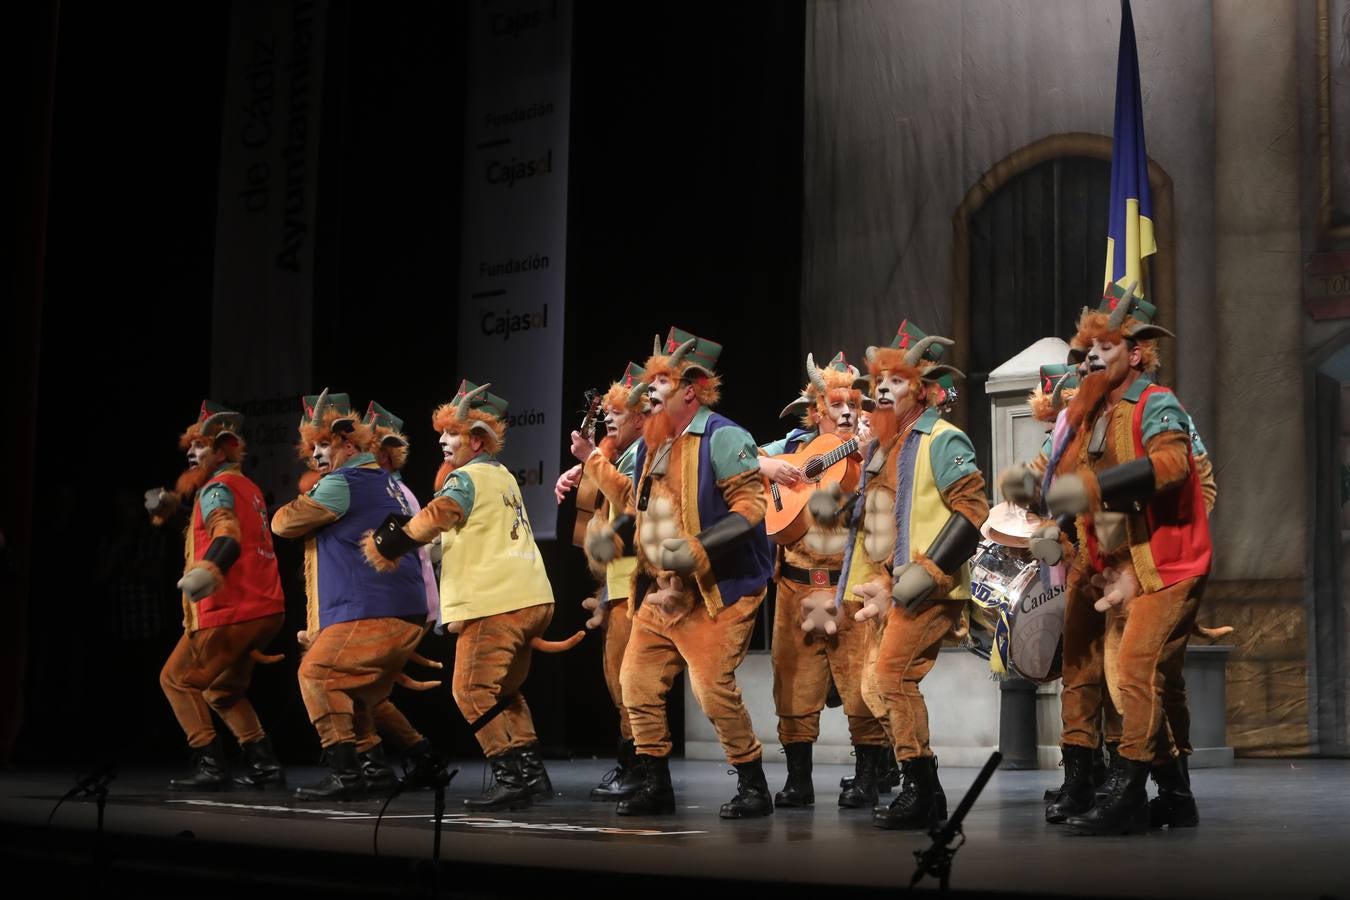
point(820, 577)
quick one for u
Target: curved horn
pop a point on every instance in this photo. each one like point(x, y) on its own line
point(869, 354)
point(462, 410)
point(915, 353)
point(636, 393)
point(854, 373)
point(656, 345)
point(320, 407)
point(681, 351)
point(1056, 396)
point(1122, 309)
point(813, 373)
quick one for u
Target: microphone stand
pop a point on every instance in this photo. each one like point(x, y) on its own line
point(937, 859)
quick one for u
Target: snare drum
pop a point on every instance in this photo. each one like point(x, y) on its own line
point(1025, 614)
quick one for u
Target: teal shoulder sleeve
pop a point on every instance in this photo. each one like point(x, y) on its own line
point(459, 488)
point(733, 451)
point(213, 497)
point(332, 493)
point(953, 457)
point(1163, 412)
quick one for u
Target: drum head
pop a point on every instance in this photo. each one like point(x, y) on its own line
point(1036, 631)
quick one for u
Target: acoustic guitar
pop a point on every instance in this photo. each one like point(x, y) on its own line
point(823, 462)
point(589, 499)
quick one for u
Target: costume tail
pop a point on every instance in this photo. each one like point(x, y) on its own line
point(420, 660)
point(1212, 633)
point(544, 646)
point(412, 685)
point(266, 658)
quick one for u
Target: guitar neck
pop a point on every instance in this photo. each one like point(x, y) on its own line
point(843, 451)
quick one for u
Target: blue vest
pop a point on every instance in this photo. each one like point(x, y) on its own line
point(349, 588)
point(748, 567)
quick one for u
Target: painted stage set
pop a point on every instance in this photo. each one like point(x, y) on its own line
point(1267, 830)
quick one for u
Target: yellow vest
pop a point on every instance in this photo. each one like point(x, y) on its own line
point(485, 570)
point(619, 573)
point(927, 515)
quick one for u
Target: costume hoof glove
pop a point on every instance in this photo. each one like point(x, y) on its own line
point(912, 585)
point(600, 544)
point(1018, 485)
point(197, 584)
point(1045, 545)
point(824, 504)
point(677, 555)
point(1067, 496)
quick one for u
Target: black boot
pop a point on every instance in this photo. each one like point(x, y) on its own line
point(344, 782)
point(752, 793)
point(1175, 804)
point(655, 794)
point(536, 776)
point(920, 804)
point(888, 776)
point(1075, 795)
point(209, 772)
point(622, 781)
point(1103, 771)
point(869, 763)
point(261, 767)
point(508, 790)
point(1124, 810)
point(423, 767)
point(798, 789)
point(378, 776)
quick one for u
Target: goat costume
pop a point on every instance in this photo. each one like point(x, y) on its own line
point(1127, 470)
point(914, 527)
point(362, 626)
point(704, 564)
point(610, 468)
point(807, 659)
point(494, 590)
point(233, 605)
point(422, 766)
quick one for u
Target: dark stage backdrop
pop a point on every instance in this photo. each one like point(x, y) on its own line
point(684, 208)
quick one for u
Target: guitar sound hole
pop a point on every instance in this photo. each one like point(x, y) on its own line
point(813, 468)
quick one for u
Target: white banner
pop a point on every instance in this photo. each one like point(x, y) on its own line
point(513, 260)
point(262, 297)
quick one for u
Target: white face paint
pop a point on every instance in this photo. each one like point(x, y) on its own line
point(450, 444)
point(196, 451)
point(1113, 357)
point(615, 420)
point(325, 454)
point(892, 390)
point(863, 432)
point(841, 417)
point(659, 392)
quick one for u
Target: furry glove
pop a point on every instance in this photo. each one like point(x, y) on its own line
point(912, 583)
point(824, 504)
point(1018, 484)
point(197, 583)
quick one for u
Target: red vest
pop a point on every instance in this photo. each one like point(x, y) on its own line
point(1178, 525)
point(252, 589)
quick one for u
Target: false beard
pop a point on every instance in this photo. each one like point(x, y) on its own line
point(657, 430)
point(609, 448)
point(191, 481)
point(1092, 390)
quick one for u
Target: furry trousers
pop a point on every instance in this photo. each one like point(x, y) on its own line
point(618, 627)
point(804, 664)
point(350, 668)
point(906, 650)
point(492, 659)
point(210, 669)
point(710, 649)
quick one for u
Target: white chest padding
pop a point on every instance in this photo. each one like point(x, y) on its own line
point(657, 524)
point(879, 524)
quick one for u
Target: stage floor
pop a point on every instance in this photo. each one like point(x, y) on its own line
point(1276, 828)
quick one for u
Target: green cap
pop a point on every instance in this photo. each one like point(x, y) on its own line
point(489, 403)
point(701, 355)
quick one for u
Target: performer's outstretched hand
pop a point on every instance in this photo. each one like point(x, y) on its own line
point(779, 471)
point(875, 601)
point(197, 583)
point(677, 556)
point(820, 614)
point(602, 545)
point(1045, 545)
point(599, 612)
point(1068, 495)
point(566, 482)
point(1018, 484)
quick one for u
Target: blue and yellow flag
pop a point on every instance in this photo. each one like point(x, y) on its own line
point(1129, 235)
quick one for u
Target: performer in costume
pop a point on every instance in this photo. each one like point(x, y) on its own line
point(494, 591)
point(808, 656)
point(232, 604)
point(422, 766)
point(624, 410)
point(1128, 472)
point(921, 511)
point(704, 564)
point(361, 627)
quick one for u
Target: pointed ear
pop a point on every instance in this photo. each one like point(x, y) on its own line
point(797, 407)
point(933, 372)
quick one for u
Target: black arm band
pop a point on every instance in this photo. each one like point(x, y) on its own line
point(1127, 486)
point(725, 535)
point(390, 538)
point(223, 553)
point(955, 544)
point(625, 527)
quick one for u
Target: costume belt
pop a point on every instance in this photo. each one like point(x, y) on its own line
point(815, 577)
